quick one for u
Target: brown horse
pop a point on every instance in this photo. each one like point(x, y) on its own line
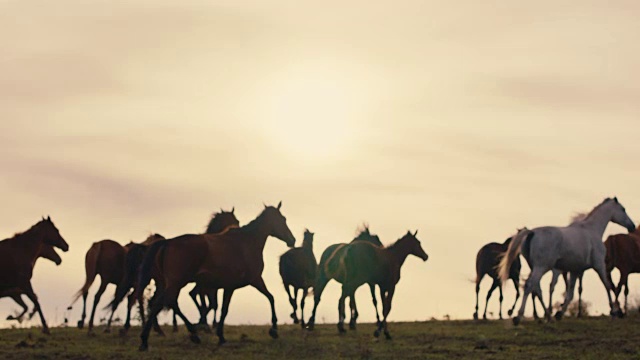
point(47, 252)
point(366, 263)
point(487, 260)
point(18, 255)
point(219, 222)
point(326, 272)
point(623, 252)
point(229, 261)
point(298, 270)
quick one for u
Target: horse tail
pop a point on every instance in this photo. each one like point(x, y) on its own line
point(90, 265)
point(132, 261)
point(512, 253)
point(144, 277)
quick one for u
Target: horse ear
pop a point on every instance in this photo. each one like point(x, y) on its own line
point(616, 199)
point(279, 205)
point(415, 233)
point(233, 209)
point(265, 205)
point(48, 218)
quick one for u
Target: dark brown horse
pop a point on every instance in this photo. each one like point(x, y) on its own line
point(219, 222)
point(326, 272)
point(229, 261)
point(623, 253)
point(18, 255)
point(47, 252)
point(487, 261)
point(366, 263)
point(298, 270)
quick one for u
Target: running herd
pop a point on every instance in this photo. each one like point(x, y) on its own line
point(229, 256)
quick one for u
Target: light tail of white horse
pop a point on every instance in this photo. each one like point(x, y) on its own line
point(512, 253)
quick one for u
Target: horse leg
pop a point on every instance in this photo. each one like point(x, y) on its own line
point(510, 312)
point(108, 328)
point(226, 300)
point(293, 300)
point(213, 300)
point(23, 305)
point(534, 296)
point(34, 299)
point(260, 286)
point(204, 310)
point(372, 288)
point(318, 288)
point(386, 309)
point(131, 300)
point(171, 299)
point(580, 295)
point(552, 286)
point(157, 296)
point(155, 306)
point(532, 283)
point(341, 312)
point(568, 296)
point(600, 268)
point(486, 305)
point(475, 314)
point(85, 294)
point(305, 292)
point(96, 300)
point(193, 294)
point(354, 311)
point(501, 298)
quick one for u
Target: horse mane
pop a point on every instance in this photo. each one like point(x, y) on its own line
point(579, 217)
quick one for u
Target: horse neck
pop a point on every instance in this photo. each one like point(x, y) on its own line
point(398, 253)
point(598, 220)
point(29, 244)
point(257, 232)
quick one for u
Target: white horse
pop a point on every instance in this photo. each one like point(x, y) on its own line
point(574, 248)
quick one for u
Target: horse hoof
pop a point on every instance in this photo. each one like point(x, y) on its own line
point(302, 324)
point(475, 316)
point(175, 329)
point(341, 329)
point(484, 317)
point(387, 335)
point(80, 324)
point(510, 312)
point(516, 321)
point(273, 333)
point(143, 347)
point(376, 333)
point(352, 326)
point(194, 339)
point(558, 316)
point(46, 331)
point(221, 341)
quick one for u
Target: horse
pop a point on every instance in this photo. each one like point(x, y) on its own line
point(229, 261)
point(574, 248)
point(47, 252)
point(219, 222)
point(623, 253)
point(364, 262)
point(298, 270)
point(487, 260)
point(18, 255)
point(326, 272)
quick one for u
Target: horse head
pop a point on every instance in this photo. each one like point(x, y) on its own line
point(307, 240)
point(619, 214)
point(277, 224)
point(51, 235)
point(413, 245)
point(222, 221)
point(48, 252)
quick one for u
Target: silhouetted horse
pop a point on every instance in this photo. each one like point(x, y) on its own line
point(229, 261)
point(487, 261)
point(298, 270)
point(218, 223)
point(47, 252)
point(326, 271)
point(18, 255)
point(366, 263)
point(623, 253)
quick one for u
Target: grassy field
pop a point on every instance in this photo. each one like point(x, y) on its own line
point(591, 338)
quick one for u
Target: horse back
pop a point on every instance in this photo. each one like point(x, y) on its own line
point(368, 263)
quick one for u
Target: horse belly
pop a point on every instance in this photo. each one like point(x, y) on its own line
point(234, 279)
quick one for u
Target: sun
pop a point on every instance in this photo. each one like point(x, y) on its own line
point(310, 113)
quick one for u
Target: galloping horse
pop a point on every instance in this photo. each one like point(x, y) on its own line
point(366, 263)
point(298, 270)
point(487, 260)
point(623, 252)
point(229, 261)
point(218, 223)
point(48, 252)
point(17, 256)
point(327, 270)
point(574, 248)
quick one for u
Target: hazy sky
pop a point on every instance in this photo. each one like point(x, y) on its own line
point(464, 121)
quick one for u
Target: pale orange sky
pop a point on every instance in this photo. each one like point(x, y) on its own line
point(464, 121)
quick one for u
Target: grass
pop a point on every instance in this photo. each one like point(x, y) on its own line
point(590, 338)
